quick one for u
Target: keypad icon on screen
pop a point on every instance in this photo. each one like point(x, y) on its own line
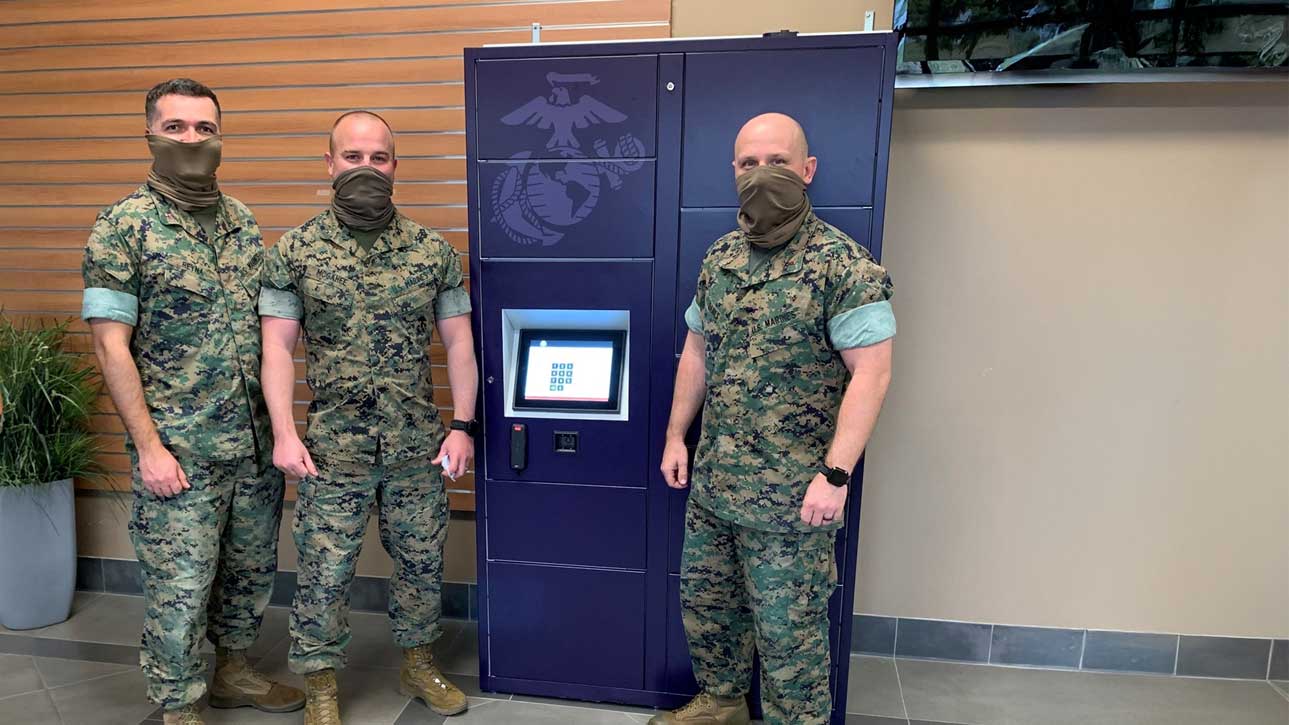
point(561, 375)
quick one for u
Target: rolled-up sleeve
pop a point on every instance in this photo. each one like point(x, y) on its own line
point(858, 306)
point(280, 303)
point(694, 318)
point(452, 303)
point(862, 326)
point(111, 275)
point(277, 286)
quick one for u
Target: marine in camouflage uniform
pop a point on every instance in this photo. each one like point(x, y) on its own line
point(368, 318)
point(369, 287)
point(188, 284)
point(755, 577)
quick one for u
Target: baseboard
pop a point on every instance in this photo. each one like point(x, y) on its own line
point(1245, 658)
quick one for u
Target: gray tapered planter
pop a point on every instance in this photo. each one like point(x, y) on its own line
point(37, 554)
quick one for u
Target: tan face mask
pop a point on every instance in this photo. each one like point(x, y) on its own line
point(184, 173)
point(772, 205)
point(361, 199)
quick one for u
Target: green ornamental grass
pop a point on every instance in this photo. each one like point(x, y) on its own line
point(47, 395)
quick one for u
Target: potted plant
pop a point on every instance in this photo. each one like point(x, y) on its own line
point(46, 397)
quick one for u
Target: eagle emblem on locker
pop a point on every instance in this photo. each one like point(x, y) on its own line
point(536, 203)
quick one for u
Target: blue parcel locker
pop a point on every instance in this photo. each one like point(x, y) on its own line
point(598, 175)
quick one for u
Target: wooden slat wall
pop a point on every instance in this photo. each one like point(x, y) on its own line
point(73, 74)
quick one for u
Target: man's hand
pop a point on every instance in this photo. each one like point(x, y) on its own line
point(824, 502)
point(459, 448)
point(161, 473)
point(290, 456)
point(675, 463)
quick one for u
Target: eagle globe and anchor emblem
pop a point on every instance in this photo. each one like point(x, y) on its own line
point(537, 202)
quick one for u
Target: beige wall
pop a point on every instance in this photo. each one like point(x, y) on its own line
point(1089, 419)
point(702, 18)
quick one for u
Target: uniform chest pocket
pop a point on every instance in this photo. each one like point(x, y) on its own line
point(181, 282)
point(182, 308)
point(324, 292)
point(777, 339)
point(412, 297)
point(793, 347)
point(418, 298)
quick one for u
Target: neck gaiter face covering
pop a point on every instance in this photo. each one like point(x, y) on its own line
point(772, 205)
point(184, 173)
point(361, 199)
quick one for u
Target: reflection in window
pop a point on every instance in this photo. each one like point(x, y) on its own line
point(962, 36)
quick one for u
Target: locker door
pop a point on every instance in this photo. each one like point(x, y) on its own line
point(839, 111)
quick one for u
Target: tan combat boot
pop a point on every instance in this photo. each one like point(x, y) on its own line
point(237, 684)
point(321, 706)
point(186, 715)
point(707, 710)
point(420, 678)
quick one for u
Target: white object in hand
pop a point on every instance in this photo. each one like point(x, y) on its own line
point(447, 467)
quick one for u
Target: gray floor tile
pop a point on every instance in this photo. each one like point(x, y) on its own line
point(413, 715)
point(80, 600)
point(18, 674)
point(646, 711)
point(370, 696)
point(854, 719)
point(107, 618)
point(1281, 685)
point(986, 695)
point(58, 672)
point(16, 644)
point(34, 708)
point(511, 712)
point(112, 700)
point(417, 714)
point(874, 688)
point(67, 649)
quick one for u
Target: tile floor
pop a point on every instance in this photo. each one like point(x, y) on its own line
point(84, 671)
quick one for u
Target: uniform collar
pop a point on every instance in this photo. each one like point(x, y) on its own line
point(736, 259)
point(173, 216)
point(398, 235)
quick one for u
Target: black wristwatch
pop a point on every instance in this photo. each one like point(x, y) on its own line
point(471, 427)
point(836, 476)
